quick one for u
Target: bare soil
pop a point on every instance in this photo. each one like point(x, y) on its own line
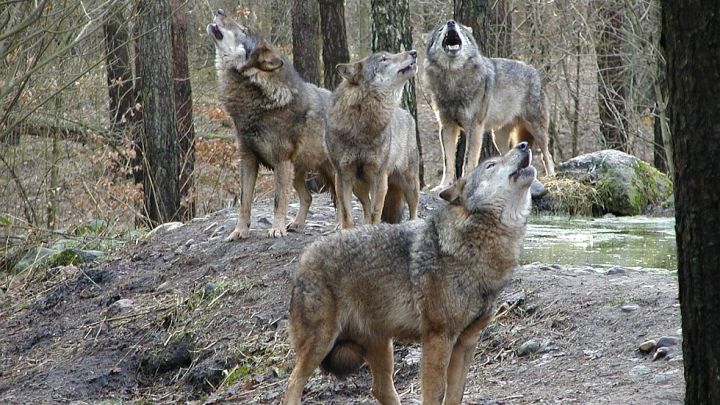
point(183, 316)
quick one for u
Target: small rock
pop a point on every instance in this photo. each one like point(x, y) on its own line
point(120, 306)
point(640, 370)
point(609, 215)
point(164, 228)
point(531, 346)
point(616, 271)
point(629, 308)
point(647, 346)
point(668, 341)
point(281, 244)
point(209, 288)
point(413, 356)
point(264, 221)
point(593, 354)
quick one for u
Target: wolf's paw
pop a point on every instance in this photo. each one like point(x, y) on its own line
point(295, 227)
point(277, 233)
point(238, 234)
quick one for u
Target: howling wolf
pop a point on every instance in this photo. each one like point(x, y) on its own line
point(371, 141)
point(279, 121)
point(433, 281)
point(475, 94)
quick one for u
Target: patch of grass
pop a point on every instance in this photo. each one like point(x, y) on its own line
point(572, 197)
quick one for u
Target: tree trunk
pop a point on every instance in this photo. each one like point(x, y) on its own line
point(119, 71)
point(335, 47)
point(691, 39)
point(392, 32)
point(306, 42)
point(183, 109)
point(161, 180)
point(612, 83)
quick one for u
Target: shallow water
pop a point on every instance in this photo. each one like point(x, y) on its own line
point(633, 242)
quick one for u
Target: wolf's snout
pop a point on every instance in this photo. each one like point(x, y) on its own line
point(451, 23)
point(522, 146)
point(221, 12)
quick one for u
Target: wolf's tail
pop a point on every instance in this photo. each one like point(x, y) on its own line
point(393, 207)
point(344, 359)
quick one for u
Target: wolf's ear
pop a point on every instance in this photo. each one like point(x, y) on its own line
point(349, 71)
point(453, 192)
point(267, 59)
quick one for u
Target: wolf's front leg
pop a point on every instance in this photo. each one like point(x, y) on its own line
point(248, 176)
point(343, 194)
point(283, 176)
point(436, 349)
point(448, 142)
point(305, 200)
point(474, 139)
point(461, 359)
point(378, 191)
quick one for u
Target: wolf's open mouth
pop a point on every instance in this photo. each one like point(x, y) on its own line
point(524, 168)
point(408, 68)
point(452, 41)
point(215, 30)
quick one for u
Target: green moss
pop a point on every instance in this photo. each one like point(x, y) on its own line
point(651, 185)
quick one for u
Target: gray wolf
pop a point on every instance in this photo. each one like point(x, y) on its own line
point(279, 121)
point(433, 281)
point(476, 94)
point(371, 141)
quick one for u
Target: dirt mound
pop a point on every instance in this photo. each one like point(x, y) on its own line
point(184, 316)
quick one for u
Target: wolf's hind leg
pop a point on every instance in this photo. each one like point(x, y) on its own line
point(378, 190)
point(461, 359)
point(305, 200)
point(362, 192)
point(539, 132)
point(380, 359)
point(412, 196)
point(248, 177)
point(311, 349)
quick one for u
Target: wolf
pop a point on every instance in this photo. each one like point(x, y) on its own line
point(476, 94)
point(371, 141)
point(279, 121)
point(431, 280)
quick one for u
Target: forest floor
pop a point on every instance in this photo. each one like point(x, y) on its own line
point(184, 317)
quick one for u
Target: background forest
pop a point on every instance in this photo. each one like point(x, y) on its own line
point(70, 76)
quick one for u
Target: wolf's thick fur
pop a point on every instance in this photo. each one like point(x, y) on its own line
point(433, 280)
point(279, 121)
point(476, 94)
point(371, 141)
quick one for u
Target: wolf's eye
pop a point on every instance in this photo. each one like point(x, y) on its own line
point(383, 58)
point(490, 165)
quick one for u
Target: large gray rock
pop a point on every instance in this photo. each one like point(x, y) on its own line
point(34, 258)
point(621, 184)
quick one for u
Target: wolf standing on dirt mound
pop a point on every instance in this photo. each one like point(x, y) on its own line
point(371, 141)
point(475, 94)
point(433, 280)
point(279, 121)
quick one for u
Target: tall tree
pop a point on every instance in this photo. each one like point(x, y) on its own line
point(306, 41)
point(161, 158)
point(392, 32)
point(691, 39)
point(183, 108)
point(612, 78)
point(118, 69)
point(335, 47)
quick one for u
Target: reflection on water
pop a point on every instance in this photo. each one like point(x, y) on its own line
point(623, 241)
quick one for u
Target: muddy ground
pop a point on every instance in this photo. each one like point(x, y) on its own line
point(183, 317)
